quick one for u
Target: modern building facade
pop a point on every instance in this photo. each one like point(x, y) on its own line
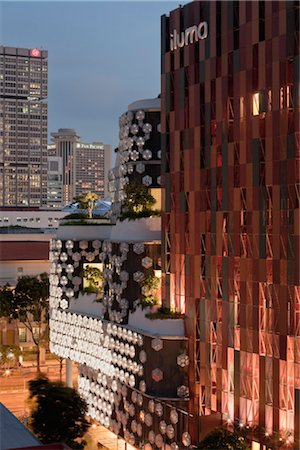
point(230, 137)
point(77, 168)
point(23, 125)
point(132, 370)
point(138, 155)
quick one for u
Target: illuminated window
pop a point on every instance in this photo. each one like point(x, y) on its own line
point(36, 332)
point(255, 104)
point(22, 334)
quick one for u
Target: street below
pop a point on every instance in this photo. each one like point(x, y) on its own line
point(14, 391)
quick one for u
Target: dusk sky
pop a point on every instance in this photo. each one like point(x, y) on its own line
point(102, 56)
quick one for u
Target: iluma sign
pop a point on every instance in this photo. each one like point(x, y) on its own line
point(188, 36)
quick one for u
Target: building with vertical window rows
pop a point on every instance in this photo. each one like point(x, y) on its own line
point(76, 168)
point(23, 126)
point(230, 149)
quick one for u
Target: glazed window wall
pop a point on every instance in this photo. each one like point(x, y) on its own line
point(230, 134)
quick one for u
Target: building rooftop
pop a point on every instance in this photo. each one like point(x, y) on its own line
point(13, 434)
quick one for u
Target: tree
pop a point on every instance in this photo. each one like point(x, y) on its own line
point(94, 277)
point(137, 198)
point(87, 201)
point(8, 355)
point(222, 439)
point(28, 303)
point(58, 413)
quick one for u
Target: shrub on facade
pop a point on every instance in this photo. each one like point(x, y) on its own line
point(165, 313)
point(138, 201)
point(222, 439)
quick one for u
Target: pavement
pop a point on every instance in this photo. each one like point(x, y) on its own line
point(14, 385)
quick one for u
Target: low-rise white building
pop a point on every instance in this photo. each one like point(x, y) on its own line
point(31, 218)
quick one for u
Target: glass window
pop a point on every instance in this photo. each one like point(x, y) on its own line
point(22, 334)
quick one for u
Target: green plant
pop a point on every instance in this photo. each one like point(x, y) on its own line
point(138, 201)
point(164, 313)
point(94, 277)
point(87, 201)
point(76, 216)
point(132, 215)
point(29, 303)
point(9, 354)
point(149, 285)
point(222, 439)
point(58, 413)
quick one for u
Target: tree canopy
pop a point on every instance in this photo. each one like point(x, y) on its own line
point(87, 201)
point(137, 198)
point(28, 303)
point(222, 439)
point(58, 413)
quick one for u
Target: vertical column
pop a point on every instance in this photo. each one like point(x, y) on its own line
point(69, 373)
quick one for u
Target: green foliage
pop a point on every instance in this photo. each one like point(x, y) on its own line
point(76, 216)
point(131, 215)
point(87, 201)
point(58, 413)
point(9, 354)
point(222, 439)
point(90, 290)
point(164, 313)
point(29, 303)
point(94, 277)
point(149, 286)
point(138, 201)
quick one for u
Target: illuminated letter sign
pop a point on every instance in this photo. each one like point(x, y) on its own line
point(35, 52)
point(189, 36)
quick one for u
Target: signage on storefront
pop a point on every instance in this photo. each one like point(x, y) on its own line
point(189, 36)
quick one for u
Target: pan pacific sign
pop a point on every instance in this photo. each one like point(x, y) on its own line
point(189, 36)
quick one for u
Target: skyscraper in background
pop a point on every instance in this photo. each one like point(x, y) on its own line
point(75, 167)
point(23, 127)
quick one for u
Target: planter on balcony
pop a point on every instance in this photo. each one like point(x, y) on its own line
point(161, 327)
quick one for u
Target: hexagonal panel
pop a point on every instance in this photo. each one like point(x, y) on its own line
point(147, 180)
point(140, 168)
point(183, 391)
point(147, 154)
point(157, 344)
point(157, 375)
point(147, 262)
point(138, 276)
point(183, 360)
point(138, 248)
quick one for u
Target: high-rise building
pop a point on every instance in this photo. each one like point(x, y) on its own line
point(230, 136)
point(79, 167)
point(92, 163)
point(23, 126)
point(65, 143)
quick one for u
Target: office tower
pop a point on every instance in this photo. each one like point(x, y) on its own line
point(230, 136)
point(65, 142)
point(82, 167)
point(23, 125)
point(92, 163)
